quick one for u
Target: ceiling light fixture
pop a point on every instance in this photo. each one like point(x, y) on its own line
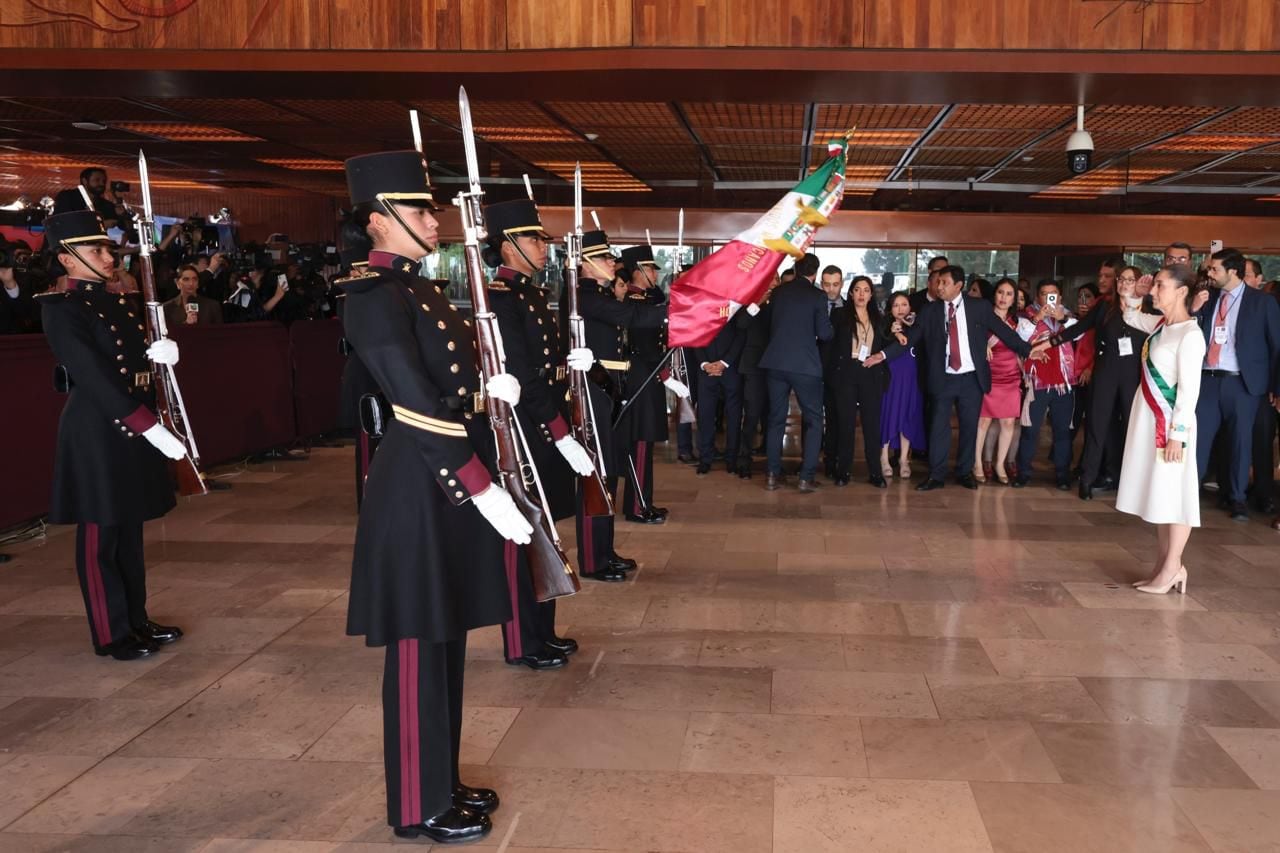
point(88, 124)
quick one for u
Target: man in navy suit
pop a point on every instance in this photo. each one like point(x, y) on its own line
point(799, 321)
point(1241, 367)
point(953, 331)
point(717, 378)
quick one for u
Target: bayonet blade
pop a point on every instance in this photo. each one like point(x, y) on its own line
point(144, 179)
point(596, 220)
point(577, 199)
point(469, 140)
point(679, 241)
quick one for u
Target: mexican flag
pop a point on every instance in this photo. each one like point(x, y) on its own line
point(706, 296)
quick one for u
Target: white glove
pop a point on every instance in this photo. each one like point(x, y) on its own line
point(580, 359)
point(504, 387)
point(163, 351)
point(165, 441)
point(753, 309)
point(575, 455)
point(497, 507)
point(679, 388)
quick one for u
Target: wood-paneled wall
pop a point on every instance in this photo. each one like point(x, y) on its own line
point(1220, 25)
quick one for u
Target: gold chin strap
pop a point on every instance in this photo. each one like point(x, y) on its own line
point(395, 214)
point(71, 250)
point(533, 269)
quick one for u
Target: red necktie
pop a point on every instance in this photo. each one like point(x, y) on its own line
point(953, 338)
point(1215, 348)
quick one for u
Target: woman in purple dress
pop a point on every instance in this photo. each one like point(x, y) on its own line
point(902, 415)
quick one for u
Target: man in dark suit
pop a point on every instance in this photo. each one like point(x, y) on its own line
point(1242, 330)
point(799, 321)
point(953, 331)
point(717, 378)
point(832, 282)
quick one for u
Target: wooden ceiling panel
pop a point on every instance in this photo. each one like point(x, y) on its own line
point(1011, 116)
point(763, 154)
point(1005, 140)
point(589, 117)
point(97, 109)
point(1249, 120)
point(757, 173)
point(648, 137)
point(227, 109)
point(1261, 161)
point(736, 136)
point(930, 156)
point(354, 114)
point(494, 114)
point(751, 116)
point(837, 118)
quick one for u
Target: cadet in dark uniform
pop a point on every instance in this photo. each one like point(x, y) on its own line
point(428, 551)
point(109, 475)
point(606, 323)
point(646, 421)
point(517, 246)
point(354, 412)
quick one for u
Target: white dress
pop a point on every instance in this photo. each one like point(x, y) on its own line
point(1163, 492)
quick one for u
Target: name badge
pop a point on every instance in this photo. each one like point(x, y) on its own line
point(1124, 346)
point(1219, 335)
point(863, 352)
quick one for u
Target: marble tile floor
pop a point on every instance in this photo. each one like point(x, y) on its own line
point(857, 670)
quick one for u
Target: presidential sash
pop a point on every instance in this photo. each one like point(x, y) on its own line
point(1158, 394)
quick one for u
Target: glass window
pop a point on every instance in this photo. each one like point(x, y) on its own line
point(990, 264)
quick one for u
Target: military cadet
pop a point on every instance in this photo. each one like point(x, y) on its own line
point(606, 322)
point(646, 421)
point(109, 474)
point(428, 550)
point(361, 404)
point(517, 247)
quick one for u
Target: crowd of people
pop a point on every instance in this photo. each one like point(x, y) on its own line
point(1006, 358)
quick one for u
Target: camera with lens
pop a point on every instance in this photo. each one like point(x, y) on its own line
point(119, 187)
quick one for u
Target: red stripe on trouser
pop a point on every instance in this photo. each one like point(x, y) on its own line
point(98, 613)
point(642, 454)
point(588, 544)
point(410, 744)
point(511, 630)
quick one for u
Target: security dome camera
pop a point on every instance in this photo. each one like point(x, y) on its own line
point(1079, 147)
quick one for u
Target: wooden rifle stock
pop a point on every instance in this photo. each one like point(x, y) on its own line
point(185, 470)
point(553, 576)
point(596, 501)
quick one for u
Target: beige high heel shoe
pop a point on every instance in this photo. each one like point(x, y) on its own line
point(1179, 581)
point(1148, 581)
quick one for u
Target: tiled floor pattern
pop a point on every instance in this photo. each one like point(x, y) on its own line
point(858, 670)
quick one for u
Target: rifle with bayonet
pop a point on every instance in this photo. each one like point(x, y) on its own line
point(553, 577)
point(596, 500)
point(170, 408)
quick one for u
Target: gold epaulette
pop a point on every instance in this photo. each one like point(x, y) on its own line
point(50, 294)
point(500, 286)
point(356, 275)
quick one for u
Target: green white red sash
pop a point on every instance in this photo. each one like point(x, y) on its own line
point(1159, 394)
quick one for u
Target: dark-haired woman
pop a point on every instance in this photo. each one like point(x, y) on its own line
point(902, 412)
point(433, 525)
point(1003, 403)
point(859, 390)
point(1159, 480)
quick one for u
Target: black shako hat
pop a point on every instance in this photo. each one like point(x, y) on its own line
point(508, 220)
point(394, 177)
point(595, 244)
point(638, 256)
point(74, 228)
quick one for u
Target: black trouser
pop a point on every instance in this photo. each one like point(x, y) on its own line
point(710, 391)
point(1225, 403)
point(1265, 426)
point(1110, 400)
point(531, 623)
point(961, 391)
point(831, 429)
point(859, 393)
point(421, 727)
point(113, 579)
point(809, 395)
point(684, 439)
point(1059, 405)
point(755, 407)
point(638, 459)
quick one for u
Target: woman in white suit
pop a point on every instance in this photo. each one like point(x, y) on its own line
point(1158, 478)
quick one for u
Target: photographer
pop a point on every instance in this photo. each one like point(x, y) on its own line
point(105, 196)
point(189, 308)
point(246, 303)
point(19, 314)
point(215, 282)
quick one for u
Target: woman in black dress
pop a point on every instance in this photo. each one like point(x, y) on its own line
point(859, 389)
point(428, 552)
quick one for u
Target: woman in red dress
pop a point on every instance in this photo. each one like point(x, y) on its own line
point(1004, 402)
